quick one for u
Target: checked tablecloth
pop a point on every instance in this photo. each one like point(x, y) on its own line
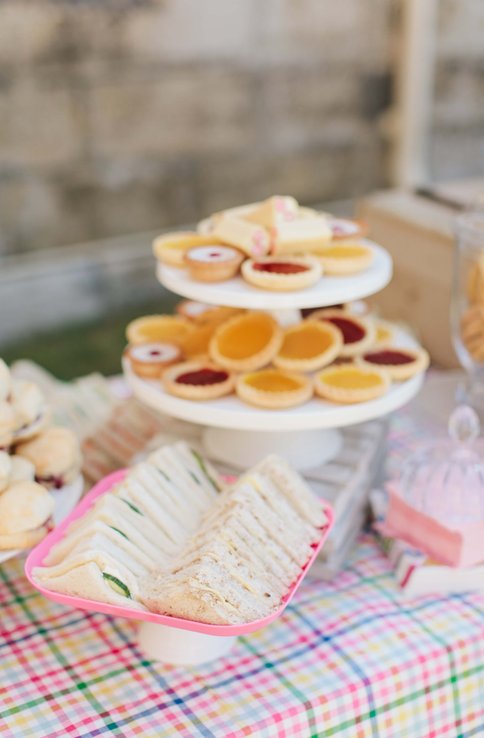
point(348, 659)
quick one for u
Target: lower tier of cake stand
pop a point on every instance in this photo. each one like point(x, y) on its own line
point(242, 449)
point(181, 647)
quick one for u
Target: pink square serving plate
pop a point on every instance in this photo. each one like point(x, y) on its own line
point(169, 628)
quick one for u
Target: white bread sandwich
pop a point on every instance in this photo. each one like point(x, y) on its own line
point(141, 525)
point(249, 549)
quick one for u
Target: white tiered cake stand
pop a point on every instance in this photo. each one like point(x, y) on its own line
point(241, 435)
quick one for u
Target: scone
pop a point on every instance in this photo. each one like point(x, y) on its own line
point(56, 456)
point(30, 407)
point(8, 424)
point(25, 508)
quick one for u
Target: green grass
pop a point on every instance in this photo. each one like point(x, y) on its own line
point(79, 349)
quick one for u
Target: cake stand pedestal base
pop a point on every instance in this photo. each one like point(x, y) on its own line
point(242, 449)
point(181, 647)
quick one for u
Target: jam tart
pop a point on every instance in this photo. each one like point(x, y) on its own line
point(158, 328)
point(246, 342)
point(213, 263)
point(309, 346)
point(344, 257)
point(282, 273)
point(274, 389)
point(358, 332)
point(398, 363)
point(349, 383)
point(149, 360)
point(195, 380)
point(171, 247)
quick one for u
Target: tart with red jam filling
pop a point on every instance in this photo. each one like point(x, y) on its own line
point(358, 332)
point(149, 360)
point(282, 273)
point(213, 263)
point(398, 363)
point(193, 380)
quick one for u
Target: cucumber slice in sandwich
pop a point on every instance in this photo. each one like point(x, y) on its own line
point(117, 585)
point(201, 463)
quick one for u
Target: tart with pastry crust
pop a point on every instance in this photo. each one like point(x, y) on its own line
point(282, 273)
point(358, 332)
point(201, 312)
point(246, 342)
point(349, 383)
point(195, 380)
point(213, 263)
point(344, 257)
point(274, 389)
point(309, 346)
point(149, 360)
point(399, 363)
point(171, 248)
point(158, 328)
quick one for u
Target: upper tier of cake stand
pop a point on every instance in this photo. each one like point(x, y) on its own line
point(238, 293)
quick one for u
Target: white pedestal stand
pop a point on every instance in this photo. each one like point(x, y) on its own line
point(181, 647)
point(240, 435)
point(303, 449)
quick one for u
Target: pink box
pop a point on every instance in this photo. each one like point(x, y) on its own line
point(452, 546)
point(38, 554)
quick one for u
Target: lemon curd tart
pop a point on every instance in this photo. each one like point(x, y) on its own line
point(348, 383)
point(158, 328)
point(274, 389)
point(344, 257)
point(309, 346)
point(193, 380)
point(246, 342)
point(170, 248)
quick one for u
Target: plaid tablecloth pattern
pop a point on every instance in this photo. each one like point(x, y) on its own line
point(347, 659)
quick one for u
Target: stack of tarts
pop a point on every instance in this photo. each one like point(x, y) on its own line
point(276, 245)
point(334, 353)
point(36, 458)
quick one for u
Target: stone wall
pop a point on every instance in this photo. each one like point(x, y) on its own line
point(118, 116)
point(458, 122)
